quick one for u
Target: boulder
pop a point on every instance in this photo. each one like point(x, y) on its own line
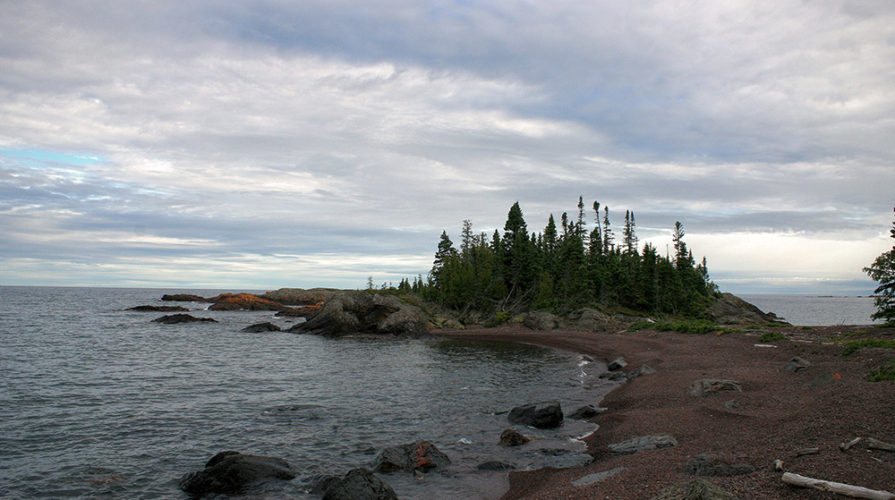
point(172, 319)
point(183, 297)
point(698, 489)
point(585, 412)
point(617, 364)
point(243, 302)
point(544, 415)
point(358, 484)
point(230, 471)
point(704, 387)
point(715, 465)
point(419, 456)
point(261, 327)
point(590, 319)
point(797, 364)
point(643, 443)
point(353, 312)
point(540, 320)
point(159, 309)
point(728, 309)
point(512, 437)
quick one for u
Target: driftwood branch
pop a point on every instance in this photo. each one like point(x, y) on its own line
point(840, 488)
point(876, 444)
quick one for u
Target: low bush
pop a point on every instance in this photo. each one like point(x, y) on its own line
point(884, 372)
point(771, 337)
point(697, 326)
point(855, 345)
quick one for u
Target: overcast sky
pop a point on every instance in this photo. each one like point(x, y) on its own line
point(260, 144)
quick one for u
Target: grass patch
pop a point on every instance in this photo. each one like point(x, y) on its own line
point(500, 318)
point(771, 337)
point(807, 328)
point(697, 326)
point(855, 345)
point(884, 372)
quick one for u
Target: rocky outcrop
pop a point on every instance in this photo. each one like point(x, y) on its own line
point(544, 415)
point(353, 312)
point(643, 443)
point(420, 456)
point(301, 296)
point(590, 319)
point(183, 297)
point(704, 387)
point(159, 309)
point(230, 471)
point(244, 302)
point(728, 309)
point(172, 319)
point(306, 312)
point(261, 328)
point(540, 320)
point(357, 484)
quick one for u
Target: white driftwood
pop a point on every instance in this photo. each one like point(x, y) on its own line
point(876, 444)
point(847, 445)
point(840, 488)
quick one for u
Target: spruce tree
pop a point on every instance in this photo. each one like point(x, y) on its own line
point(883, 271)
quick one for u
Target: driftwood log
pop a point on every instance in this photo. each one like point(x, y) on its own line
point(840, 488)
point(876, 444)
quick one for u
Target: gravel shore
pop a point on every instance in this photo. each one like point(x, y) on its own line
point(778, 414)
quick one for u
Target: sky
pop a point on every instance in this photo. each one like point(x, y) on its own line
point(263, 144)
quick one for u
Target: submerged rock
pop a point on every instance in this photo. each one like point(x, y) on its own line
point(358, 484)
point(495, 466)
point(230, 471)
point(159, 309)
point(512, 437)
point(172, 319)
point(261, 327)
point(544, 415)
point(419, 456)
point(183, 297)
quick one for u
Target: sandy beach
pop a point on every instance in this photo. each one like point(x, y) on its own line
point(778, 415)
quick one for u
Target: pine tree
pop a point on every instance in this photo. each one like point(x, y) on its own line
point(466, 238)
point(607, 232)
point(883, 271)
point(630, 234)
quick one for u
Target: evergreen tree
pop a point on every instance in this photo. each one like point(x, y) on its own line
point(442, 257)
point(883, 271)
point(630, 235)
point(466, 238)
point(607, 233)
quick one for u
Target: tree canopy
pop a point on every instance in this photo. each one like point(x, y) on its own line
point(566, 267)
point(883, 271)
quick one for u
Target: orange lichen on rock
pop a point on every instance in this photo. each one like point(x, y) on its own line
point(244, 302)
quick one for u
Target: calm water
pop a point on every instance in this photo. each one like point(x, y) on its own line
point(812, 310)
point(98, 401)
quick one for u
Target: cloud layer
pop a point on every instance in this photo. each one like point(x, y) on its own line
point(264, 143)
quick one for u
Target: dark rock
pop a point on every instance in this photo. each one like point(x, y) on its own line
point(421, 455)
point(183, 297)
point(261, 327)
point(585, 357)
point(159, 309)
point(643, 443)
point(728, 309)
point(301, 296)
point(715, 465)
point(358, 484)
point(614, 376)
point(495, 466)
point(243, 302)
point(585, 412)
point(544, 415)
point(306, 312)
point(591, 320)
point(231, 471)
point(698, 489)
point(617, 364)
point(540, 320)
point(643, 370)
point(512, 437)
point(704, 387)
point(797, 364)
point(353, 312)
point(172, 319)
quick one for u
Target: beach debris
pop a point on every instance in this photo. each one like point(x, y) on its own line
point(715, 465)
point(512, 437)
point(357, 483)
point(697, 489)
point(617, 364)
point(420, 455)
point(848, 444)
point(597, 477)
point(807, 451)
point(840, 488)
point(543, 415)
point(765, 345)
point(704, 387)
point(230, 471)
point(876, 444)
point(643, 443)
point(778, 465)
point(797, 364)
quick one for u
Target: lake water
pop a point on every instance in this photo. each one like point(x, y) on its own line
point(99, 401)
point(813, 310)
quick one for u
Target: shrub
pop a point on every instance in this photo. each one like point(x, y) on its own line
point(855, 345)
point(771, 336)
point(885, 371)
point(698, 326)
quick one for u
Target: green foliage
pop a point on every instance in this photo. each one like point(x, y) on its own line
point(564, 268)
point(883, 271)
point(698, 326)
point(886, 371)
point(500, 318)
point(855, 345)
point(771, 337)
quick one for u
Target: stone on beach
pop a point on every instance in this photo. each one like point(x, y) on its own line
point(643, 443)
point(716, 465)
point(544, 415)
point(797, 364)
point(418, 456)
point(617, 364)
point(512, 437)
point(358, 484)
point(706, 386)
point(231, 471)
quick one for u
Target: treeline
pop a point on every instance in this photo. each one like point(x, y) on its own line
point(563, 267)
